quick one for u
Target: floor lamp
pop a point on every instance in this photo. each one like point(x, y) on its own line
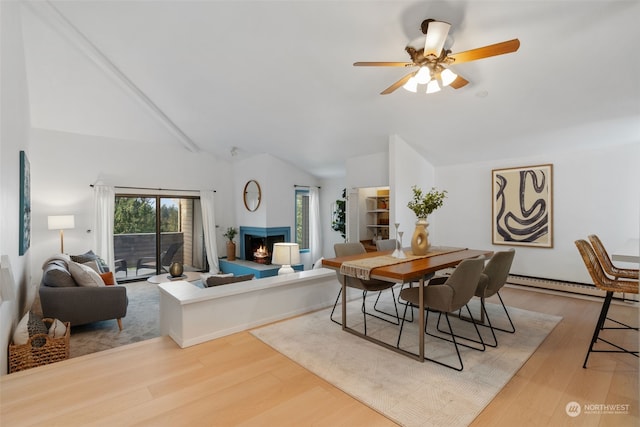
point(61, 222)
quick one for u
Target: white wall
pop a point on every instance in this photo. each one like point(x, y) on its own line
point(371, 170)
point(399, 169)
point(595, 191)
point(64, 165)
point(255, 168)
point(14, 125)
point(277, 180)
point(330, 192)
point(407, 168)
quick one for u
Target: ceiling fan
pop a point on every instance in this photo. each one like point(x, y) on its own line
point(433, 60)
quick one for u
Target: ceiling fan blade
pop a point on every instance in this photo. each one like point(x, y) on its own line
point(436, 36)
point(486, 51)
point(459, 82)
point(397, 84)
point(382, 64)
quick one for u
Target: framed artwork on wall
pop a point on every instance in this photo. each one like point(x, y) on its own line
point(25, 204)
point(523, 206)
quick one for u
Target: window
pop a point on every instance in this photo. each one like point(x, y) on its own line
point(151, 232)
point(302, 219)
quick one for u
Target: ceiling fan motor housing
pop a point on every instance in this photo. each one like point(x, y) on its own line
point(425, 25)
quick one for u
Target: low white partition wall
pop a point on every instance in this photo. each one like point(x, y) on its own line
point(191, 315)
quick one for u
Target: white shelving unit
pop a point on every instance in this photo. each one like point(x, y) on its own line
point(377, 217)
point(368, 210)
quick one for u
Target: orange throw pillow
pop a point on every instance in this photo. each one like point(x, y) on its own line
point(108, 278)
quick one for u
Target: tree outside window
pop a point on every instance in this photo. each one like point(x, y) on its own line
point(138, 215)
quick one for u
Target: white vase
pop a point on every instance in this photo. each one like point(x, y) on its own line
point(420, 239)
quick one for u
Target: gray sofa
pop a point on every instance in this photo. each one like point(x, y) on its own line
point(62, 298)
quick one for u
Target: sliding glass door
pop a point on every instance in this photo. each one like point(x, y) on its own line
point(151, 232)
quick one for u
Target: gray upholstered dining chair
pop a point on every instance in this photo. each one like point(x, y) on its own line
point(446, 295)
point(492, 279)
point(345, 249)
point(386, 244)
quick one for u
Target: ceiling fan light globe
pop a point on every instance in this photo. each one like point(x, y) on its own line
point(447, 76)
point(411, 85)
point(423, 76)
point(433, 86)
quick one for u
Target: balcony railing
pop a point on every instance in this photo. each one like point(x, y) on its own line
point(129, 248)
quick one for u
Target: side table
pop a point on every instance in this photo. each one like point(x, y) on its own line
point(189, 276)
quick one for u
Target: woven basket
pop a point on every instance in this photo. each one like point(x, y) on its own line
point(26, 356)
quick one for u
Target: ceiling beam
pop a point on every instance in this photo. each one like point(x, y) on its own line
point(53, 17)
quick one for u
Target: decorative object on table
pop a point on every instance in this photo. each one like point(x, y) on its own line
point(286, 254)
point(420, 239)
point(399, 253)
point(61, 222)
point(339, 215)
point(231, 245)
point(176, 269)
point(25, 204)
point(423, 205)
point(523, 206)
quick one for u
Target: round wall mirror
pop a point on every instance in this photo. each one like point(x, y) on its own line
point(252, 195)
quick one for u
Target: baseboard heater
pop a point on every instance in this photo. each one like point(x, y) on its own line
point(564, 286)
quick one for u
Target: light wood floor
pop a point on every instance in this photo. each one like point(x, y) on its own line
point(238, 380)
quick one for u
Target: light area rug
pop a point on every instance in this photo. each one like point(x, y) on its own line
point(142, 322)
point(407, 391)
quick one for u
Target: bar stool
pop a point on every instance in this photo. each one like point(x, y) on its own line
point(601, 281)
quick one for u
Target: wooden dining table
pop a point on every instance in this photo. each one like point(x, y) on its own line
point(414, 270)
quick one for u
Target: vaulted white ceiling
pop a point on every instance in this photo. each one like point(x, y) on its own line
point(277, 76)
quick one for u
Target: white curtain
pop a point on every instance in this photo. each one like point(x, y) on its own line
point(315, 237)
point(104, 206)
point(207, 203)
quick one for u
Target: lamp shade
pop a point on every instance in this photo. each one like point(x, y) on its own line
point(285, 254)
point(61, 222)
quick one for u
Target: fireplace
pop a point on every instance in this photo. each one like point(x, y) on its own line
point(256, 243)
